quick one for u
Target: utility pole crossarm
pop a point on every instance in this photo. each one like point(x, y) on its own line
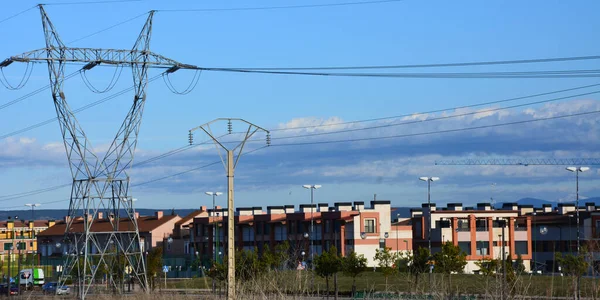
point(520, 162)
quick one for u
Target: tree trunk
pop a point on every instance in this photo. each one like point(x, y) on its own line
point(327, 285)
point(353, 286)
point(386, 289)
point(335, 286)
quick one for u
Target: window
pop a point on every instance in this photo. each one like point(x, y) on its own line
point(465, 247)
point(370, 225)
point(521, 247)
point(186, 247)
point(482, 248)
point(327, 226)
point(381, 243)
point(267, 228)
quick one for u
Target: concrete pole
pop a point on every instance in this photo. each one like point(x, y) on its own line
point(230, 228)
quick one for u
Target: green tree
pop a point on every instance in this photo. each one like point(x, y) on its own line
point(154, 265)
point(450, 259)
point(488, 267)
point(327, 264)
point(419, 263)
point(248, 266)
point(573, 265)
point(275, 258)
point(385, 261)
point(519, 265)
point(353, 265)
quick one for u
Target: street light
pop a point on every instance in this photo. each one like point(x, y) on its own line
point(312, 250)
point(32, 205)
point(429, 180)
point(577, 170)
point(215, 194)
point(397, 220)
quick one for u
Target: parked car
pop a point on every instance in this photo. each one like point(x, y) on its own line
point(14, 290)
point(52, 288)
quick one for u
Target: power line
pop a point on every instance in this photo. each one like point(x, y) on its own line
point(440, 65)
point(90, 2)
point(46, 122)
point(17, 14)
point(438, 110)
point(107, 28)
point(434, 119)
point(439, 131)
point(278, 7)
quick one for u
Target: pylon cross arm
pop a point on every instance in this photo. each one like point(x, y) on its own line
point(96, 55)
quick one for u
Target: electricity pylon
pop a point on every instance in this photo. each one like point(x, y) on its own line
point(233, 157)
point(99, 184)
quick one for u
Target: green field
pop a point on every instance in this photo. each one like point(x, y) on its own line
point(526, 285)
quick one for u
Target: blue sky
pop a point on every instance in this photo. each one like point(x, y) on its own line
point(392, 33)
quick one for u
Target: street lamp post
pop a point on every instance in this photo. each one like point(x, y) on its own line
point(312, 250)
point(577, 170)
point(214, 195)
point(429, 180)
point(397, 238)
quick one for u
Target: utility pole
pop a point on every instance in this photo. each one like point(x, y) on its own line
point(233, 155)
point(312, 248)
point(33, 206)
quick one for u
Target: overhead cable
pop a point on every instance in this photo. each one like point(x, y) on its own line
point(278, 7)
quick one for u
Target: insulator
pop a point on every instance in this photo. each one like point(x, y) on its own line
point(229, 127)
point(268, 139)
point(191, 138)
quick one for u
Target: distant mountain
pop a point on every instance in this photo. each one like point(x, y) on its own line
point(535, 202)
point(59, 214)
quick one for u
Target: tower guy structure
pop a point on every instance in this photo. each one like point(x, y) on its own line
point(100, 184)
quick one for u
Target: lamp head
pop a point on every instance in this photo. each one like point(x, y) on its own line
point(583, 169)
point(316, 186)
point(218, 193)
point(363, 235)
point(424, 178)
point(307, 186)
point(209, 193)
point(386, 235)
point(434, 178)
point(571, 169)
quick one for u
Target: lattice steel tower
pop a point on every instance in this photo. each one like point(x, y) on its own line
point(100, 184)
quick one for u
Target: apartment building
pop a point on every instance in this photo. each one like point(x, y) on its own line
point(347, 226)
point(481, 232)
point(14, 232)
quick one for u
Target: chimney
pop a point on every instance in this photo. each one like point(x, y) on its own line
point(245, 211)
point(565, 208)
point(305, 208)
point(158, 214)
point(590, 206)
point(510, 206)
point(415, 212)
point(257, 210)
point(547, 208)
point(289, 209)
point(359, 205)
point(425, 206)
point(381, 205)
point(272, 210)
point(203, 208)
point(137, 215)
point(484, 206)
point(525, 209)
point(455, 206)
point(100, 215)
point(343, 206)
point(323, 207)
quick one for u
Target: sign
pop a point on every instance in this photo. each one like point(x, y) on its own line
point(165, 269)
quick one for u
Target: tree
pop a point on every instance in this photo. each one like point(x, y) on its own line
point(488, 267)
point(418, 263)
point(154, 265)
point(248, 266)
point(450, 259)
point(327, 264)
point(574, 266)
point(519, 265)
point(386, 260)
point(277, 257)
point(353, 265)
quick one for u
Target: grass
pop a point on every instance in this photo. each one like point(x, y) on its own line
point(525, 285)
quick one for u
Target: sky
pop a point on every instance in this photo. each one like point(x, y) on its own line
point(396, 140)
